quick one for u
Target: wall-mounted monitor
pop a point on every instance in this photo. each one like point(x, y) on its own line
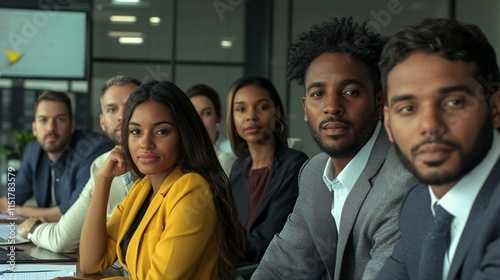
point(46, 44)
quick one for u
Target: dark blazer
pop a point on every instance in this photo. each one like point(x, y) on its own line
point(277, 203)
point(309, 246)
point(478, 251)
point(73, 170)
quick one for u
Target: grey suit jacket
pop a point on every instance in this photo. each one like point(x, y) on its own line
point(309, 246)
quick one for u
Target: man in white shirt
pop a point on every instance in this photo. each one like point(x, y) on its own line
point(64, 236)
point(344, 224)
point(441, 81)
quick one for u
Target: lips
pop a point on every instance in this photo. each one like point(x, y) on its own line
point(51, 137)
point(433, 152)
point(335, 128)
point(252, 129)
point(148, 158)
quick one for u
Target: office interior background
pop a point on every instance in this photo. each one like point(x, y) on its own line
point(204, 41)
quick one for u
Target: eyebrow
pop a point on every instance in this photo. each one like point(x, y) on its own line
point(154, 124)
point(56, 116)
point(260, 100)
point(442, 91)
point(342, 83)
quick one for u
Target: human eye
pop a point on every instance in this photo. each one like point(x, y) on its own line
point(263, 107)
point(239, 109)
point(455, 103)
point(134, 131)
point(405, 109)
point(350, 92)
point(60, 119)
point(206, 114)
point(162, 131)
point(42, 120)
point(317, 93)
point(111, 109)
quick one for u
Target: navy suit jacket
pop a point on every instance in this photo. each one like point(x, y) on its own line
point(72, 169)
point(277, 203)
point(478, 251)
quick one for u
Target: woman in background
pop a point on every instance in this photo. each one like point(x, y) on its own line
point(178, 221)
point(206, 101)
point(264, 177)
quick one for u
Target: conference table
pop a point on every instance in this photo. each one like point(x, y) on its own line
point(25, 246)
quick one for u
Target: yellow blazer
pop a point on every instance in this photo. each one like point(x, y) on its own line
point(176, 237)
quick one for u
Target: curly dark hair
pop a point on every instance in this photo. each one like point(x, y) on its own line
point(448, 38)
point(338, 35)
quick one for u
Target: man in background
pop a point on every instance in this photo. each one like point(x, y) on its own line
point(64, 236)
point(56, 165)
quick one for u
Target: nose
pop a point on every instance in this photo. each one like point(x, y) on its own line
point(147, 143)
point(51, 125)
point(333, 104)
point(251, 114)
point(432, 122)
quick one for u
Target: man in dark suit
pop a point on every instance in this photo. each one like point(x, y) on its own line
point(441, 78)
point(56, 165)
point(344, 224)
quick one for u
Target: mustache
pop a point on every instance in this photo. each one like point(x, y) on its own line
point(335, 119)
point(51, 134)
point(433, 140)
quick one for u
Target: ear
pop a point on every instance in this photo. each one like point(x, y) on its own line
point(304, 107)
point(101, 122)
point(387, 124)
point(73, 126)
point(494, 101)
point(33, 127)
point(277, 112)
point(379, 103)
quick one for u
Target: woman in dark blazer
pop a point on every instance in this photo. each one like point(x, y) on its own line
point(264, 177)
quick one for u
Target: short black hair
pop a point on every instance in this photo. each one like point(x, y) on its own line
point(338, 35)
point(448, 38)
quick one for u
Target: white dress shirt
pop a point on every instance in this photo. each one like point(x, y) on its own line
point(343, 183)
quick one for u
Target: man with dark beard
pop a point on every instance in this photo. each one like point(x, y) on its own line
point(345, 221)
point(56, 165)
point(441, 78)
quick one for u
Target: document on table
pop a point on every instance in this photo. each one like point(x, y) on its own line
point(37, 271)
point(35, 275)
point(9, 236)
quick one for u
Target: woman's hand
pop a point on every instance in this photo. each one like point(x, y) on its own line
point(24, 227)
point(115, 165)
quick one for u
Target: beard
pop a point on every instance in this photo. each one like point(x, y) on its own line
point(468, 160)
point(345, 150)
point(56, 146)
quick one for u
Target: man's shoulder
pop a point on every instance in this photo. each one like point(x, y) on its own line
point(89, 140)
point(316, 164)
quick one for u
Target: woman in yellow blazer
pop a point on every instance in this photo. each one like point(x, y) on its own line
point(179, 219)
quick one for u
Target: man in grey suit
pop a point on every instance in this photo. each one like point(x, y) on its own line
point(442, 82)
point(345, 221)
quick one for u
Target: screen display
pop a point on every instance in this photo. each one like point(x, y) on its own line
point(43, 43)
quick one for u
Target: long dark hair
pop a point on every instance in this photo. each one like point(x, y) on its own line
point(197, 155)
point(280, 130)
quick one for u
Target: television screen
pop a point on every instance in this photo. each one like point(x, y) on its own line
point(43, 43)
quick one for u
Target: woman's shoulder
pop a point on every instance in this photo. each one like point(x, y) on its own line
point(292, 153)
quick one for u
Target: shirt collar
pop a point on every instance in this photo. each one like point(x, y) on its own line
point(349, 175)
point(459, 199)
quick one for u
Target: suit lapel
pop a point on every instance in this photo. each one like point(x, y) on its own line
point(156, 202)
point(474, 220)
point(318, 209)
point(358, 194)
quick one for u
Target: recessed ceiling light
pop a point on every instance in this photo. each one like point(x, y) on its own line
point(154, 20)
point(127, 19)
point(226, 44)
point(124, 34)
point(130, 40)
